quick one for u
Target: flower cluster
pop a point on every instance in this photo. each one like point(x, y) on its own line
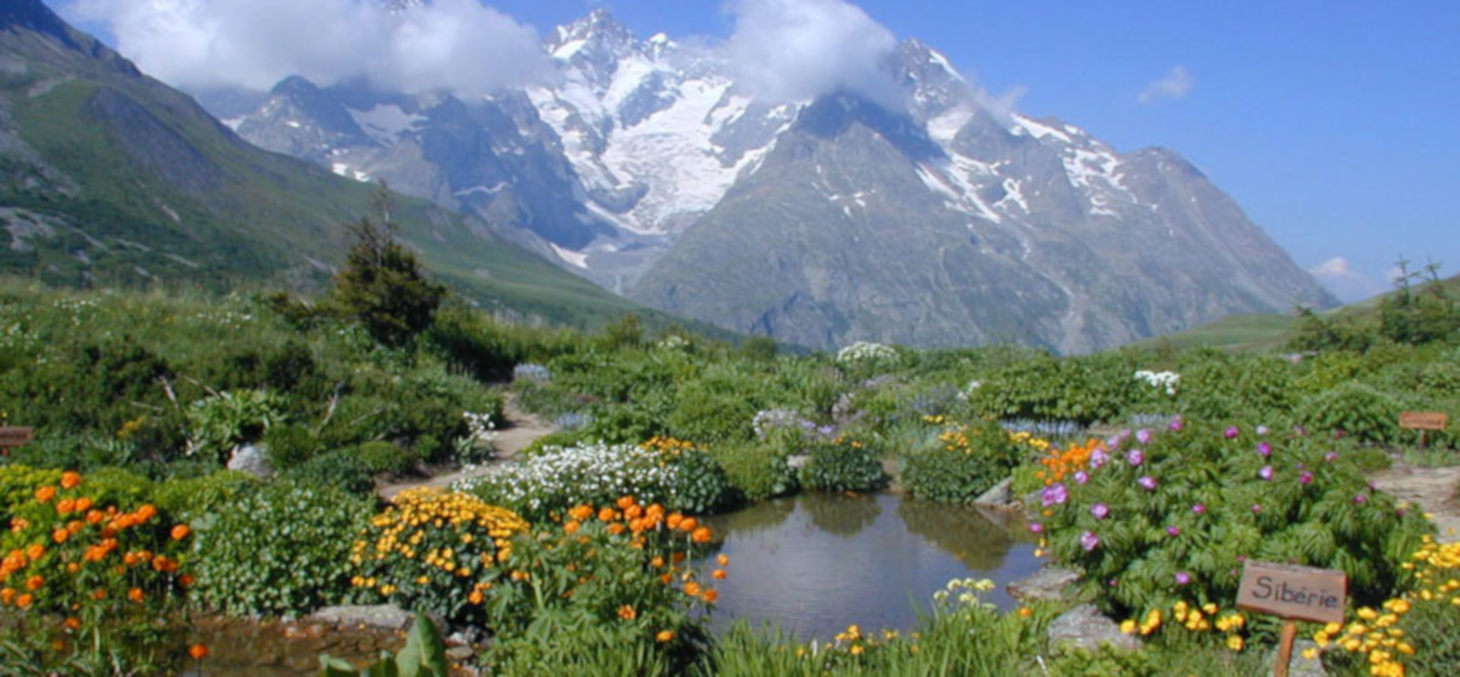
point(1192, 618)
point(90, 566)
point(481, 432)
point(1413, 628)
point(562, 477)
point(864, 351)
point(1073, 462)
point(528, 371)
point(434, 550)
point(1163, 380)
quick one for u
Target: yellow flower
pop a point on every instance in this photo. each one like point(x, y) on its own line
point(1235, 643)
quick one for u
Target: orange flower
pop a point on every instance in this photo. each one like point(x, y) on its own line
point(24, 601)
point(72, 567)
point(656, 562)
point(135, 594)
point(723, 559)
point(98, 594)
point(633, 512)
point(665, 579)
point(95, 517)
point(180, 532)
point(581, 513)
point(475, 597)
point(571, 527)
point(625, 503)
point(692, 589)
point(60, 535)
point(65, 506)
point(145, 513)
point(45, 494)
point(185, 580)
point(677, 558)
point(70, 479)
point(616, 528)
point(73, 623)
point(664, 636)
point(606, 514)
point(6, 595)
point(627, 613)
point(711, 596)
point(655, 509)
point(198, 651)
point(36, 551)
point(688, 524)
point(701, 535)
point(718, 575)
point(83, 504)
point(675, 519)
point(34, 583)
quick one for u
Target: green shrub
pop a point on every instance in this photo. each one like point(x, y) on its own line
point(962, 463)
point(1356, 410)
point(757, 471)
point(379, 457)
point(284, 549)
point(340, 468)
point(218, 423)
point(701, 486)
point(1172, 518)
point(190, 499)
point(289, 445)
point(842, 465)
point(18, 484)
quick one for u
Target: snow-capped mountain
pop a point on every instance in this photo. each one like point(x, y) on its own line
point(647, 167)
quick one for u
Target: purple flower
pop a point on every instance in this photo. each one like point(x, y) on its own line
point(1264, 449)
point(1331, 456)
point(1265, 473)
point(1262, 430)
point(1306, 477)
point(1135, 457)
point(1114, 441)
point(1089, 541)
point(1081, 477)
point(1256, 508)
point(1182, 578)
point(1036, 527)
point(1099, 458)
point(1173, 531)
point(1143, 436)
point(1198, 508)
point(1231, 432)
point(1055, 495)
point(1100, 511)
point(1176, 424)
point(1361, 499)
point(1147, 482)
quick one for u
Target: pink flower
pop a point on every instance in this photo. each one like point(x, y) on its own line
point(1265, 473)
point(1176, 424)
point(1100, 511)
point(1147, 482)
point(1099, 458)
point(1143, 436)
point(1135, 457)
point(1036, 527)
point(1264, 449)
point(1089, 541)
point(1055, 495)
point(1256, 508)
point(1306, 477)
point(1182, 578)
point(1199, 508)
point(1173, 531)
point(1232, 432)
point(1081, 477)
point(1262, 430)
point(1331, 456)
point(1361, 499)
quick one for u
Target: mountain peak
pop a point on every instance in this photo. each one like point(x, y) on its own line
point(599, 30)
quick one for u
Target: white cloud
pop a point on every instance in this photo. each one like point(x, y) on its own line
point(1348, 284)
point(1175, 85)
point(787, 50)
point(449, 44)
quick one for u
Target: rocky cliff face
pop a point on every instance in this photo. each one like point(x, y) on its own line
point(645, 166)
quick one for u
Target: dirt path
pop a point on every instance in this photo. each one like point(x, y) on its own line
point(1431, 488)
point(519, 429)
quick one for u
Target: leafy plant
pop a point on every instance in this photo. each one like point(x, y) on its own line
point(964, 462)
point(843, 465)
point(424, 655)
point(218, 423)
point(382, 285)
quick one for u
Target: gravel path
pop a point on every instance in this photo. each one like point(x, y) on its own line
point(519, 429)
point(1431, 488)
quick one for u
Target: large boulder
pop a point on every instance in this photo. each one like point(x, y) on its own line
point(1084, 627)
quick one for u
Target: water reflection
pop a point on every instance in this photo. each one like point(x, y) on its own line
point(817, 563)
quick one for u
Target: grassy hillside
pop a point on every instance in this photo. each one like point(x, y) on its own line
point(1257, 333)
point(108, 177)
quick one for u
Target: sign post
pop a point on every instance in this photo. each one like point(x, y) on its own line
point(1424, 422)
point(14, 437)
point(1293, 593)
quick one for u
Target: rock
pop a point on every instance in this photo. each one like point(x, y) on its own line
point(460, 653)
point(1084, 627)
point(798, 461)
point(1048, 584)
point(1300, 666)
point(996, 497)
point(250, 458)
point(386, 616)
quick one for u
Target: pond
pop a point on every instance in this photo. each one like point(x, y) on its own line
point(817, 563)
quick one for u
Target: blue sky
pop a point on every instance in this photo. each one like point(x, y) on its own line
point(1336, 125)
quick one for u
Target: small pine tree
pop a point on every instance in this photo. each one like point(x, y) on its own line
point(383, 285)
point(1419, 313)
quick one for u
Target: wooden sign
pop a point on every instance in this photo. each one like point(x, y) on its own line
point(1290, 591)
point(1293, 593)
point(15, 437)
point(1423, 420)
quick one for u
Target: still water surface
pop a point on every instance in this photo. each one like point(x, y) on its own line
point(817, 563)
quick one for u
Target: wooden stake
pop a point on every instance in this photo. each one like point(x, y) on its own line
point(1285, 648)
point(1423, 437)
